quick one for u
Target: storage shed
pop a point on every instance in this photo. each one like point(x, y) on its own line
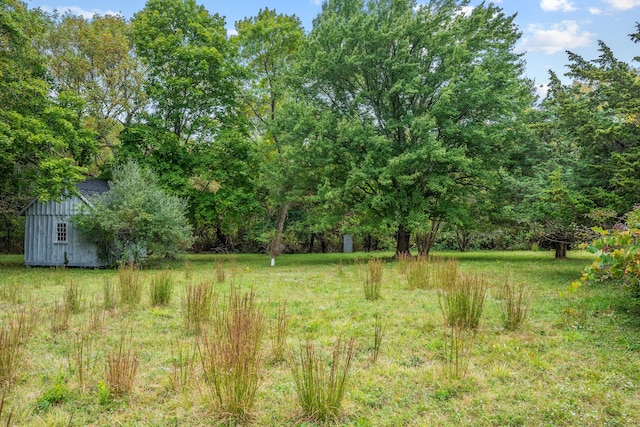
point(50, 238)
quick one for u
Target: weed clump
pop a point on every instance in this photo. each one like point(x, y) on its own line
point(279, 333)
point(161, 289)
point(121, 369)
point(379, 327)
point(197, 305)
point(129, 286)
point(231, 355)
point(73, 297)
point(462, 301)
point(515, 302)
point(373, 280)
point(14, 332)
point(320, 390)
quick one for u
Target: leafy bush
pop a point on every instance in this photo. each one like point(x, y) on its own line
point(618, 254)
point(135, 219)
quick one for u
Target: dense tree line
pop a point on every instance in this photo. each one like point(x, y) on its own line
point(404, 125)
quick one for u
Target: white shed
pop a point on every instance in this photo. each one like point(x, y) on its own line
point(50, 238)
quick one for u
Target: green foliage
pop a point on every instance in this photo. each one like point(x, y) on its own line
point(94, 59)
point(599, 113)
point(410, 105)
point(54, 395)
point(135, 220)
point(618, 255)
point(269, 45)
point(44, 146)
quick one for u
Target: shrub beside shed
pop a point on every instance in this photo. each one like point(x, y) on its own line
point(50, 238)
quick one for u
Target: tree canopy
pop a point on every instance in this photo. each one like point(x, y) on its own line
point(423, 97)
point(407, 124)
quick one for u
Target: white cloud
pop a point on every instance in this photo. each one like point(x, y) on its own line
point(595, 10)
point(560, 37)
point(542, 91)
point(231, 33)
point(623, 4)
point(466, 10)
point(317, 2)
point(78, 11)
point(556, 5)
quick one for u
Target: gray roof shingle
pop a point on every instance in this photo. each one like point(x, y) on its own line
point(90, 187)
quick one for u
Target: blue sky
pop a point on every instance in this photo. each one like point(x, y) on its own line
point(549, 27)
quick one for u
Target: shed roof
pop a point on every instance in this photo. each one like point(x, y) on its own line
point(87, 188)
point(90, 187)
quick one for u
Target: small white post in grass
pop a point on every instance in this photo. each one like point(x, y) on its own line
point(273, 261)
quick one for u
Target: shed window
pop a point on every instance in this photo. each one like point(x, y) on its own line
point(61, 232)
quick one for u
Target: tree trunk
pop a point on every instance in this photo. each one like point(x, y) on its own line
point(276, 247)
point(463, 238)
point(223, 239)
point(402, 242)
point(312, 241)
point(426, 240)
point(561, 249)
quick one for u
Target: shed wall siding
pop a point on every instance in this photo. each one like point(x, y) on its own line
point(41, 247)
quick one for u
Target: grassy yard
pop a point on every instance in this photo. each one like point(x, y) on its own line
point(576, 361)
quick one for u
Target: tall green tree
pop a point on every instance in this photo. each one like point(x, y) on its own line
point(190, 67)
point(94, 59)
point(424, 99)
point(43, 146)
point(600, 111)
point(269, 44)
point(193, 134)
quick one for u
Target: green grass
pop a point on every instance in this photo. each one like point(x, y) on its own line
point(576, 361)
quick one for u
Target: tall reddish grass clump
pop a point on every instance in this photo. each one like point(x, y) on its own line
point(231, 355)
point(121, 369)
point(14, 333)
